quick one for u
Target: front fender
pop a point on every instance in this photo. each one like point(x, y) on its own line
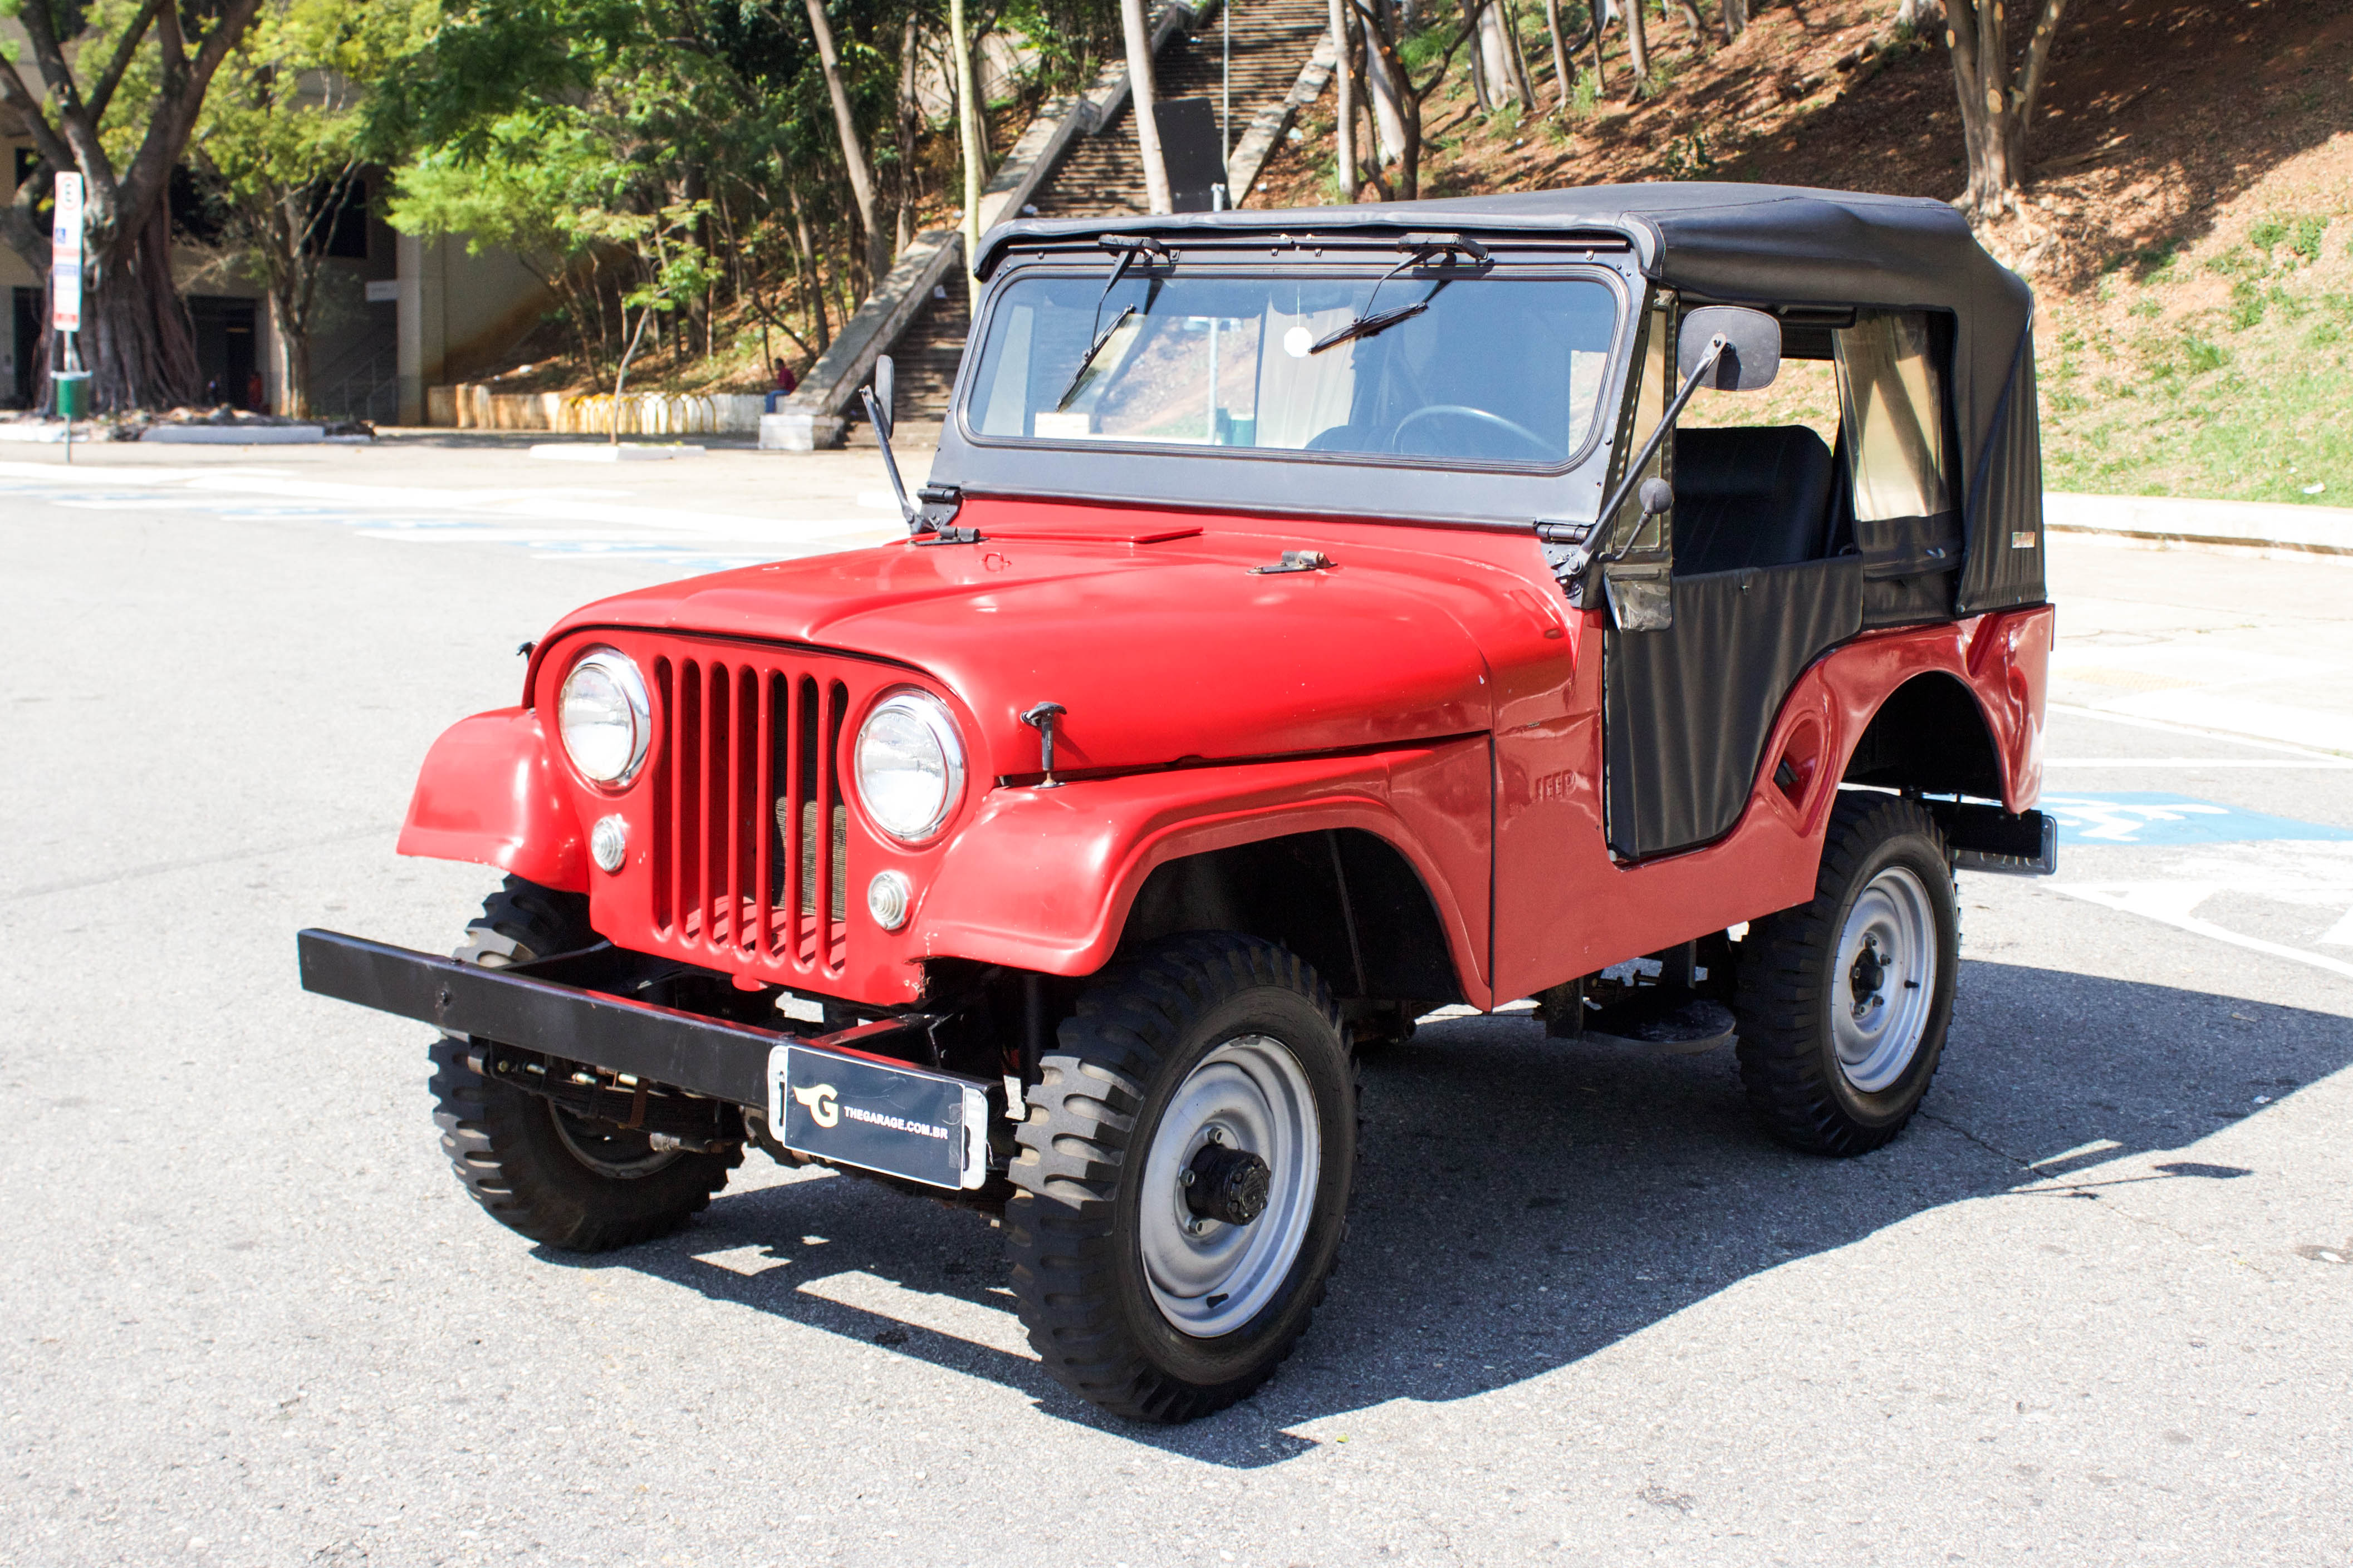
point(1044, 878)
point(488, 794)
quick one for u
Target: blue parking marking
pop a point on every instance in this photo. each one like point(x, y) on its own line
point(2157, 818)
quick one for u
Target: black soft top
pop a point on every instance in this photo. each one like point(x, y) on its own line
point(1766, 245)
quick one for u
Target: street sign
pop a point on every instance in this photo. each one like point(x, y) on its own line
point(65, 257)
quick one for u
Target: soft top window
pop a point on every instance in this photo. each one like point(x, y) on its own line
point(1893, 394)
point(1501, 368)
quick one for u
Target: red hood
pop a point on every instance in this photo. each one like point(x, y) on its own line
point(1161, 648)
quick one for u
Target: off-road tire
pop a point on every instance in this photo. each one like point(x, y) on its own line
point(1788, 984)
point(1072, 1224)
point(506, 1146)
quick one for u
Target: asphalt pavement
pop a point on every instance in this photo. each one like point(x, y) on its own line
point(2096, 1306)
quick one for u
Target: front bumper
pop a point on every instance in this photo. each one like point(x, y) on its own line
point(566, 1007)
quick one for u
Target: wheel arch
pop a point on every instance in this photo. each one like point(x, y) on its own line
point(1931, 734)
point(1345, 900)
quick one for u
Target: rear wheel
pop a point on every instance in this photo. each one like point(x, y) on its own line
point(1183, 1174)
point(571, 1182)
point(1845, 1001)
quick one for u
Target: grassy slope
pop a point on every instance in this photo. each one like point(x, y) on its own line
point(2186, 232)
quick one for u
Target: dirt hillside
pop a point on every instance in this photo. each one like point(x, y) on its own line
point(2187, 230)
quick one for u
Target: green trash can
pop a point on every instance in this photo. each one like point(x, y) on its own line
point(73, 392)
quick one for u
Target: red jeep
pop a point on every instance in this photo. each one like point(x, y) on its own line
point(1314, 619)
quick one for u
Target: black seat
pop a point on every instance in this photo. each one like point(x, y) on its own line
point(1754, 495)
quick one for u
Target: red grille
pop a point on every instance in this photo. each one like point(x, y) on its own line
point(744, 789)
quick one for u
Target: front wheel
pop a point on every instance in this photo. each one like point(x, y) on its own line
point(566, 1180)
point(1184, 1176)
point(1844, 1001)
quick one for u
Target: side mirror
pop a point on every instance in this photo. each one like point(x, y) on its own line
point(886, 407)
point(1752, 347)
point(1657, 496)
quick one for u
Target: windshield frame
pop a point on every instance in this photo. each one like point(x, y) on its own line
point(1335, 261)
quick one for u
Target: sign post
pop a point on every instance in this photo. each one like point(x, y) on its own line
point(65, 371)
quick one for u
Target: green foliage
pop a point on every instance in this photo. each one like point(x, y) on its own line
point(1585, 95)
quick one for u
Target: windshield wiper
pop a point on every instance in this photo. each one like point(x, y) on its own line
point(1129, 246)
point(1078, 376)
point(1367, 326)
point(1419, 250)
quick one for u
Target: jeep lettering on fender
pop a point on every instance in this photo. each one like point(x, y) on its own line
point(1312, 619)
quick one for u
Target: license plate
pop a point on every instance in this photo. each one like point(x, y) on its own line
point(929, 1127)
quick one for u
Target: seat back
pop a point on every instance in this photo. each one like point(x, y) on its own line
point(1754, 495)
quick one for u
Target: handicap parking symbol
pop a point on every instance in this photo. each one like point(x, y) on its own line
point(2153, 817)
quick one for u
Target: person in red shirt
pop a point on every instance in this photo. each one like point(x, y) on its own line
point(785, 382)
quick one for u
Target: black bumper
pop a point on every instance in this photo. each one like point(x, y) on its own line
point(533, 1009)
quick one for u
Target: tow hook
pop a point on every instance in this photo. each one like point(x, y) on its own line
point(1226, 1183)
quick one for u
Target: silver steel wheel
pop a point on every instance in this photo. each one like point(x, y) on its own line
point(623, 1156)
point(1209, 1276)
point(1885, 982)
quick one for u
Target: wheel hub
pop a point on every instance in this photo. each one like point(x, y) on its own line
point(1226, 1185)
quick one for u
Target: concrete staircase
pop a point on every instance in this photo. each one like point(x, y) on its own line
point(1078, 158)
point(1103, 175)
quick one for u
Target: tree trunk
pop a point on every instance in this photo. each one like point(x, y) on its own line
point(1735, 18)
point(967, 93)
point(1923, 17)
point(1345, 122)
point(1600, 70)
point(1560, 72)
point(292, 352)
point(1481, 93)
point(1520, 78)
point(1141, 97)
point(1388, 99)
point(1997, 104)
point(1638, 49)
point(1696, 22)
point(853, 151)
point(812, 281)
point(137, 341)
point(909, 116)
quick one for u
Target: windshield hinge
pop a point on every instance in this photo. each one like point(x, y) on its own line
point(938, 508)
point(1566, 551)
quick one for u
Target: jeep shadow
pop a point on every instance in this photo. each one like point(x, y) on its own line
point(1635, 1186)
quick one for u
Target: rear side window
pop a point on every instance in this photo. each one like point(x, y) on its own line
point(1893, 395)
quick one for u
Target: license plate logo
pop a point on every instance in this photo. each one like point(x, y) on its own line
point(904, 1121)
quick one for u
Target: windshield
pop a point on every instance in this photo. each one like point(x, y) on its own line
point(1497, 368)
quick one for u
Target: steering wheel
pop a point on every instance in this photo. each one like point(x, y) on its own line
point(1481, 418)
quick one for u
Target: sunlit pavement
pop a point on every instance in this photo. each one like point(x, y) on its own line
point(2096, 1306)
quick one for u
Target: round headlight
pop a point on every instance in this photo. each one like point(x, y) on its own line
point(910, 764)
point(602, 712)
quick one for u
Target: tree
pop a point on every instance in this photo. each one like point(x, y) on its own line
point(1345, 125)
point(283, 139)
point(969, 145)
point(1997, 98)
point(854, 147)
point(137, 341)
point(1386, 27)
point(1140, 96)
point(1560, 71)
point(1638, 48)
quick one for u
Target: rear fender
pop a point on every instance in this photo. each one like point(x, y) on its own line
point(1044, 878)
point(488, 794)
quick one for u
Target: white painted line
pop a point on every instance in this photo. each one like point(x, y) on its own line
point(2137, 721)
point(2321, 762)
point(2165, 902)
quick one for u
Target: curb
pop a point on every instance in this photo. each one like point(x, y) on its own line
point(2168, 520)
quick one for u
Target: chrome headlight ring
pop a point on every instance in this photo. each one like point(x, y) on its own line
point(909, 764)
point(604, 717)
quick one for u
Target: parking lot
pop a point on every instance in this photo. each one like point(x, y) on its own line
point(2096, 1306)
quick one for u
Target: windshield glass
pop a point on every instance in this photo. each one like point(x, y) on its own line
point(1497, 368)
